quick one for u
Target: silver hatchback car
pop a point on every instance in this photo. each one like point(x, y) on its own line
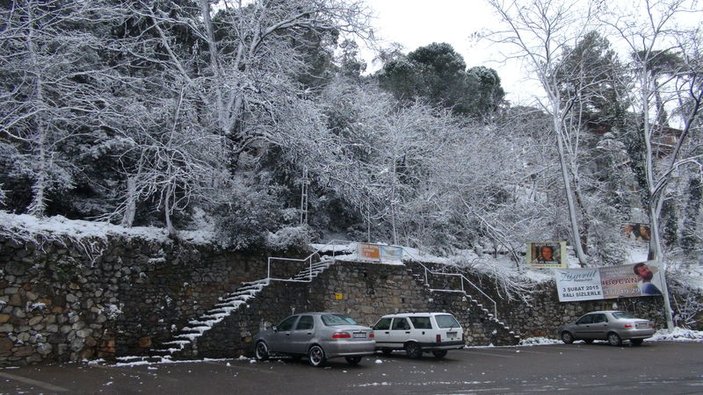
point(318, 336)
point(613, 326)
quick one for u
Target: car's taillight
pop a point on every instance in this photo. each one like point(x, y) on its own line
point(439, 338)
point(628, 326)
point(371, 335)
point(341, 335)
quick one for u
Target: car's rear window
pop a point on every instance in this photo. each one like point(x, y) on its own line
point(421, 322)
point(337, 319)
point(447, 321)
point(623, 314)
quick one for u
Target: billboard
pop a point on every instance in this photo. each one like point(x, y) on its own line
point(546, 254)
point(380, 253)
point(370, 252)
point(609, 282)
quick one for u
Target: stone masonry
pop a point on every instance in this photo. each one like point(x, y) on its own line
point(61, 301)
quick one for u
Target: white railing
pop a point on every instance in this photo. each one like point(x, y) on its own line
point(308, 260)
point(462, 278)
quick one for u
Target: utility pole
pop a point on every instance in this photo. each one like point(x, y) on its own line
point(304, 197)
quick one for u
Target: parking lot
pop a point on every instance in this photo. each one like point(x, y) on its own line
point(655, 367)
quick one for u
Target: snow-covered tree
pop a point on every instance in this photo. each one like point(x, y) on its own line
point(544, 33)
point(663, 80)
point(54, 91)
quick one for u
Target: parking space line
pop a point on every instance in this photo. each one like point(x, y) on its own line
point(41, 384)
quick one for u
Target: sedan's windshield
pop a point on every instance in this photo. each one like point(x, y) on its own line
point(337, 319)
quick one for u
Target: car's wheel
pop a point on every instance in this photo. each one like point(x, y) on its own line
point(387, 351)
point(316, 356)
point(567, 337)
point(588, 341)
point(353, 361)
point(614, 339)
point(413, 350)
point(439, 354)
point(636, 342)
point(261, 351)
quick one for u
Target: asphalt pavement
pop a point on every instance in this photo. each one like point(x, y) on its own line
point(653, 368)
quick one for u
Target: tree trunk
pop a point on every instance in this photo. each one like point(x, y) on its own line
point(38, 205)
point(167, 212)
point(573, 220)
point(131, 209)
point(690, 222)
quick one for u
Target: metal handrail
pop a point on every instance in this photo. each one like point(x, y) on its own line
point(462, 277)
point(308, 259)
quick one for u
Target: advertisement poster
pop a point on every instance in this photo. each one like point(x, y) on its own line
point(578, 284)
point(380, 253)
point(609, 282)
point(546, 254)
point(370, 252)
point(391, 254)
point(619, 281)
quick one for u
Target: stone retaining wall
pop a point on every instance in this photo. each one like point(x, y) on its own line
point(68, 301)
point(60, 303)
point(364, 291)
point(540, 313)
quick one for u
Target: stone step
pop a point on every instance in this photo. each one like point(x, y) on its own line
point(208, 317)
point(195, 329)
point(234, 302)
point(249, 288)
point(241, 293)
point(180, 343)
point(263, 282)
point(142, 359)
point(163, 352)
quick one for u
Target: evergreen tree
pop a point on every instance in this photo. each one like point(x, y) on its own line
point(436, 73)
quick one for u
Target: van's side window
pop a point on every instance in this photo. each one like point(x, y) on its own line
point(400, 324)
point(421, 322)
point(383, 324)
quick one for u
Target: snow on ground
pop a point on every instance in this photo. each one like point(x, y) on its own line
point(677, 335)
point(28, 225)
point(662, 335)
point(501, 266)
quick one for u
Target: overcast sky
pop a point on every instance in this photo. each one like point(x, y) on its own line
point(415, 23)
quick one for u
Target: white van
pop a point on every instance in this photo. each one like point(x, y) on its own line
point(417, 333)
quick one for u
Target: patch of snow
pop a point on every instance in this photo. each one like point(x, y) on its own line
point(29, 225)
point(36, 306)
point(59, 225)
point(113, 311)
point(538, 341)
point(677, 335)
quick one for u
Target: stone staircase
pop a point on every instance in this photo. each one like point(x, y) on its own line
point(474, 303)
point(185, 342)
point(515, 337)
